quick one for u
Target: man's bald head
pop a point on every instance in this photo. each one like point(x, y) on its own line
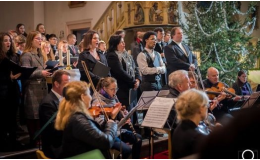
point(213, 75)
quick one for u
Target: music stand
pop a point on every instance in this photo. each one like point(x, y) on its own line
point(252, 101)
point(145, 101)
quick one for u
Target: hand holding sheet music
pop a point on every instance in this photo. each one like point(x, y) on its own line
point(158, 112)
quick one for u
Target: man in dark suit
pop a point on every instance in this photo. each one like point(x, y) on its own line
point(137, 45)
point(179, 55)
point(74, 50)
point(51, 138)
point(159, 47)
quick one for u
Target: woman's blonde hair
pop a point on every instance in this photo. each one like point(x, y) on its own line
point(72, 103)
point(46, 56)
point(61, 45)
point(189, 103)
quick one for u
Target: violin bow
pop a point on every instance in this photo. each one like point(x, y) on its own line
point(93, 88)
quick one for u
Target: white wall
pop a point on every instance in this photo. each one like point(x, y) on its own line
point(13, 13)
point(38, 13)
point(57, 14)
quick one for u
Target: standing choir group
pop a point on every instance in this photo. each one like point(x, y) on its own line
point(157, 63)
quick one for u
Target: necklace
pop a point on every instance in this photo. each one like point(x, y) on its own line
point(94, 54)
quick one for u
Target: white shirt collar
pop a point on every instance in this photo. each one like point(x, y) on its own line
point(179, 43)
point(149, 50)
point(57, 95)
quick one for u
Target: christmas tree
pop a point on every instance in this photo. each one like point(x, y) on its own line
point(221, 33)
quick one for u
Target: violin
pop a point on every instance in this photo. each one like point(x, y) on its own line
point(216, 90)
point(111, 112)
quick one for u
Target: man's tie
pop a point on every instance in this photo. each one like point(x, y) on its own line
point(73, 49)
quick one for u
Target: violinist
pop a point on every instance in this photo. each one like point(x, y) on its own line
point(241, 86)
point(80, 132)
point(107, 88)
point(224, 103)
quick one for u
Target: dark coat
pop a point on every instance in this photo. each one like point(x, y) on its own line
point(51, 138)
point(238, 89)
point(124, 80)
point(160, 49)
point(136, 48)
point(75, 54)
point(83, 134)
point(5, 79)
point(185, 139)
point(176, 58)
point(90, 62)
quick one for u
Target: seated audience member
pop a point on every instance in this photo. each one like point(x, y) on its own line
point(51, 138)
point(80, 132)
point(241, 86)
point(107, 88)
point(191, 107)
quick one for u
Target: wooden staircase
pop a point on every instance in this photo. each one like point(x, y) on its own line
point(133, 16)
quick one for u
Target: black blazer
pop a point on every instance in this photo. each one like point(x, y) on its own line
point(90, 62)
point(124, 80)
point(185, 139)
point(176, 58)
point(50, 136)
point(238, 89)
point(136, 48)
point(160, 49)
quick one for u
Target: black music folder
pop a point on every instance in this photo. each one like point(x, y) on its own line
point(72, 60)
point(51, 64)
point(26, 71)
point(101, 70)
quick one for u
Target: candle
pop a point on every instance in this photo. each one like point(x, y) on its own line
point(60, 57)
point(68, 57)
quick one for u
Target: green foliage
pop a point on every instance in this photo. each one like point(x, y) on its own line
point(217, 33)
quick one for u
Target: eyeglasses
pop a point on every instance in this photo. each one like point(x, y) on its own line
point(114, 89)
point(39, 39)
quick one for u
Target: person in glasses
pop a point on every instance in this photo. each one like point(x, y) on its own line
point(35, 86)
point(107, 89)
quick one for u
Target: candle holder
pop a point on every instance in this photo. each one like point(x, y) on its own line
point(69, 67)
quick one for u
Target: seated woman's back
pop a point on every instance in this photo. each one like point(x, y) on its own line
point(80, 132)
point(191, 108)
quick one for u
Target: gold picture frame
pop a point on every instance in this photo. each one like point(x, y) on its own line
point(75, 4)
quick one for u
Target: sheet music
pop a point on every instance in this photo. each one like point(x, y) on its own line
point(158, 112)
point(146, 97)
